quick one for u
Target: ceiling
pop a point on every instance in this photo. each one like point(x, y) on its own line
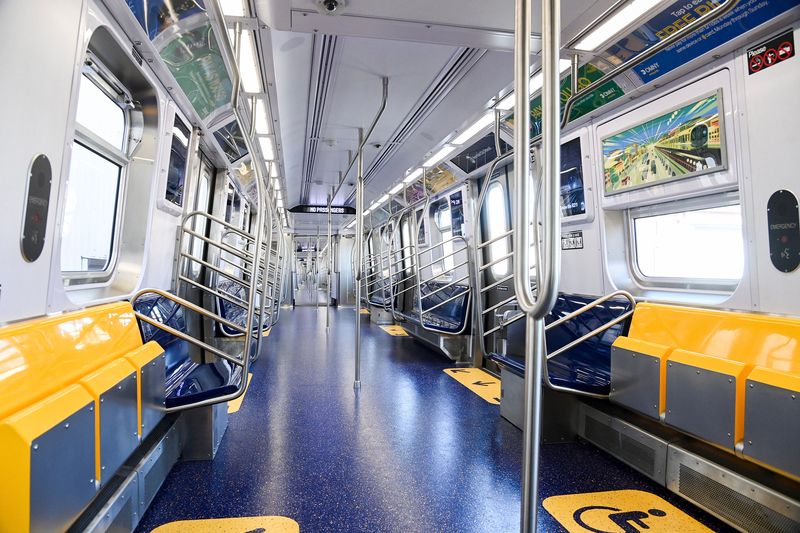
point(445, 61)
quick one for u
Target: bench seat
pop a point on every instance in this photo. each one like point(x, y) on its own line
point(729, 378)
point(586, 367)
point(71, 410)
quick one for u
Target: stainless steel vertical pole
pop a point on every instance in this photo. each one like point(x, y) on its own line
point(359, 244)
point(548, 258)
point(330, 255)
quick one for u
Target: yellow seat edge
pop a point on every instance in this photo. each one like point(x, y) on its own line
point(643, 347)
point(17, 433)
point(776, 378)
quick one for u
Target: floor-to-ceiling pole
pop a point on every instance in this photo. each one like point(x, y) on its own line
point(548, 253)
point(330, 256)
point(359, 244)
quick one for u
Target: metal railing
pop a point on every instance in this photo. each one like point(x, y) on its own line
point(253, 269)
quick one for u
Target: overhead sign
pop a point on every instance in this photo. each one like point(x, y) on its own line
point(771, 52)
point(614, 511)
point(323, 209)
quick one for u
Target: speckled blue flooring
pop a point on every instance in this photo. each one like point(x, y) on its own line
point(414, 451)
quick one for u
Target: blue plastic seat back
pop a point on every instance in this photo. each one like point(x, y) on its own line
point(231, 311)
point(171, 314)
point(587, 366)
point(451, 316)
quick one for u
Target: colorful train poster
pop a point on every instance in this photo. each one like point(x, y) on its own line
point(684, 142)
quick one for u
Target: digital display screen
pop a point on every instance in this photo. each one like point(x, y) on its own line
point(573, 200)
point(457, 212)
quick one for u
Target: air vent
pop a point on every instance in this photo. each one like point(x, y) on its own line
point(731, 505)
point(323, 81)
point(448, 78)
point(639, 449)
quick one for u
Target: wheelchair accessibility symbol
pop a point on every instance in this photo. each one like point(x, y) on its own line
point(621, 511)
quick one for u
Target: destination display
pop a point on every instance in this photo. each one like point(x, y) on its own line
point(323, 209)
point(683, 142)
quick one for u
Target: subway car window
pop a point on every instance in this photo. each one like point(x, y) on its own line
point(700, 244)
point(444, 223)
point(95, 174)
point(497, 224)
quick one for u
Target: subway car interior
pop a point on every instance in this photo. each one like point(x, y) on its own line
point(371, 265)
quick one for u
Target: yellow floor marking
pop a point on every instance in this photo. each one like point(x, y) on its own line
point(620, 511)
point(234, 405)
point(481, 383)
point(266, 333)
point(395, 331)
point(365, 311)
point(263, 524)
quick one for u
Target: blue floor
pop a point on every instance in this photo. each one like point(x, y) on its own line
point(414, 451)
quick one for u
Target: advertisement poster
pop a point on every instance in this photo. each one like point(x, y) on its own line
point(156, 16)
point(438, 179)
point(231, 140)
point(588, 73)
point(746, 15)
point(415, 192)
point(684, 142)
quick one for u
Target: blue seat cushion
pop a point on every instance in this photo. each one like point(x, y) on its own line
point(206, 381)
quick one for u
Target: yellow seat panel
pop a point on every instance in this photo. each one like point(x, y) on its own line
point(40, 357)
point(768, 341)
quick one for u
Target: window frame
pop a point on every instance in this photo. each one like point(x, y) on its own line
point(698, 203)
point(94, 72)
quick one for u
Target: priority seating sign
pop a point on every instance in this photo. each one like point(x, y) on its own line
point(620, 511)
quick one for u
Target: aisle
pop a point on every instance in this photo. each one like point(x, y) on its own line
point(414, 451)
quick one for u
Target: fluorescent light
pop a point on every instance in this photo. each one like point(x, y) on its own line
point(232, 8)
point(249, 68)
point(396, 189)
point(280, 203)
point(267, 148)
point(278, 195)
point(351, 224)
point(438, 156)
point(470, 132)
point(536, 83)
point(273, 169)
point(382, 199)
point(613, 25)
point(414, 175)
point(262, 123)
point(276, 184)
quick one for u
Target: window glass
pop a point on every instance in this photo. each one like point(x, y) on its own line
point(405, 238)
point(200, 224)
point(177, 162)
point(100, 114)
point(88, 225)
point(497, 224)
point(699, 244)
